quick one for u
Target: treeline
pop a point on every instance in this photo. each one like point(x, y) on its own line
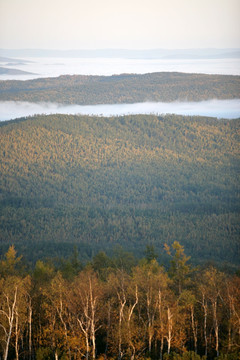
point(132, 180)
point(125, 88)
point(118, 308)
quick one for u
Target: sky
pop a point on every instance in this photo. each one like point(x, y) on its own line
point(119, 24)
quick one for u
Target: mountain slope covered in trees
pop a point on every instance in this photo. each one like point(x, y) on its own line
point(131, 180)
point(125, 88)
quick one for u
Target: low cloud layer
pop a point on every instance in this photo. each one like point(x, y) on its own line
point(229, 109)
point(53, 67)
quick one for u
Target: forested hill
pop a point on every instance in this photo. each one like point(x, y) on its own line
point(131, 180)
point(125, 88)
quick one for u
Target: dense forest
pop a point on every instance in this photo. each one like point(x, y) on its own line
point(125, 88)
point(118, 308)
point(95, 183)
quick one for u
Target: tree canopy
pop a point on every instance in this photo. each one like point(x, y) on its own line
point(132, 180)
point(124, 88)
point(106, 311)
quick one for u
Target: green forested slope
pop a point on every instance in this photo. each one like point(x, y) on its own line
point(129, 180)
point(125, 88)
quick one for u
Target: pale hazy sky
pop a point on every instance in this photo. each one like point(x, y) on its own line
point(129, 24)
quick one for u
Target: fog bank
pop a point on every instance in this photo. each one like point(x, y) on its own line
point(229, 109)
point(54, 67)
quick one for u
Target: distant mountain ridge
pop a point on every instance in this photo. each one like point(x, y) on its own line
point(5, 71)
point(126, 53)
point(12, 61)
point(124, 88)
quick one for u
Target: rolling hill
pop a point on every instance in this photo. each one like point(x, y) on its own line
point(98, 182)
point(125, 88)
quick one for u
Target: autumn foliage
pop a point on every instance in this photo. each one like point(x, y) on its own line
point(113, 310)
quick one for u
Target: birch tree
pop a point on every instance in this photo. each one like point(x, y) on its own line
point(211, 286)
point(152, 284)
point(56, 295)
point(13, 312)
point(87, 302)
point(188, 302)
point(232, 299)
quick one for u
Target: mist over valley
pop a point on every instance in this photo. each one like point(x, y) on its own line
point(56, 66)
point(228, 109)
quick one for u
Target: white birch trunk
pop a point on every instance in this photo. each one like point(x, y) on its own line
point(215, 325)
point(60, 311)
point(10, 316)
point(159, 304)
point(85, 332)
point(93, 316)
point(129, 328)
point(169, 336)
point(204, 305)
point(194, 329)
point(30, 329)
point(122, 305)
point(16, 335)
